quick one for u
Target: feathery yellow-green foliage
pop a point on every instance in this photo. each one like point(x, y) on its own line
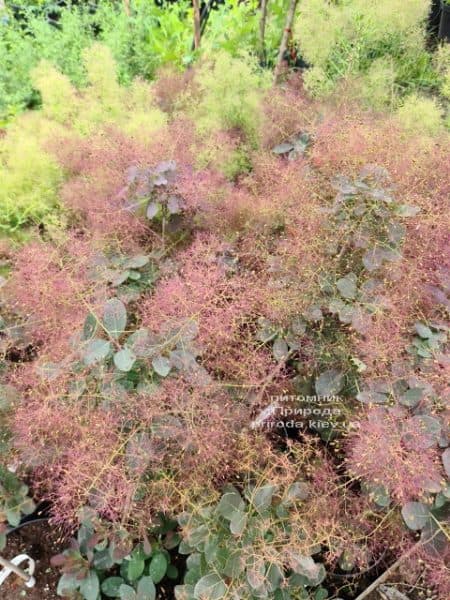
point(103, 102)
point(30, 176)
point(419, 114)
point(230, 95)
point(30, 179)
point(350, 38)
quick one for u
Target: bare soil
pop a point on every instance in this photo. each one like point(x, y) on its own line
point(40, 541)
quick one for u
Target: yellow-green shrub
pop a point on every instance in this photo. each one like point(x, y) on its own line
point(442, 65)
point(103, 102)
point(30, 176)
point(345, 38)
point(230, 95)
point(376, 87)
point(30, 179)
point(419, 114)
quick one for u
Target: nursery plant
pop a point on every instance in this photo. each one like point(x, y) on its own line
point(225, 336)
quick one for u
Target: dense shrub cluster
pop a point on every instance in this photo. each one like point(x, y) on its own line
point(378, 52)
point(161, 340)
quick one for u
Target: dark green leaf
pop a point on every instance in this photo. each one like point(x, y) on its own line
point(90, 327)
point(111, 585)
point(132, 568)
point(158, 567)
point(412, 397)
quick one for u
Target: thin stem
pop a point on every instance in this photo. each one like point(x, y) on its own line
point(197, 24)
point(262, 31)
point(287, 33)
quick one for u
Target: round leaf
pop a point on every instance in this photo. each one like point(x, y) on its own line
point(161, 365)
point(210, 587)
point(124, 359)
point(347, 286)
point(152, 209)
point(127, 593)
point(416, 515)
point(115, 317)
point(111, 585)
point(90, 586)
point(329, 383)
point(95, 351)
point(136, 262)
point(146, 589)
point(230, 502)
point(280, 350)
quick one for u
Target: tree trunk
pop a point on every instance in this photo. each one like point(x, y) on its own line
point(287, 33)
point(126, 5)
point(197, 24)
point(262, 31)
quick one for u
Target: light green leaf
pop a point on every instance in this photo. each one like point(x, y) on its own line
point(146, 589)
point(95, 351)
point(67, 584)
point(136, 262)
point(161, 365)
point(347, 286)
point(210, 587)
point(423, 331)
point(230, 502)
point(124, 359)
point(90, 586)
point(127, 592)
point(262, 496)
point(446, 461)
point(407, 210)
point(238, 523)
point(329, 383)
point(115, 317)
point(280, 350)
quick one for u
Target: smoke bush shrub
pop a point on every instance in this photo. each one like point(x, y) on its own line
point(179, 304)
point(420, 115)
point(30, 180)
point(230, 95)
point(348, 38)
